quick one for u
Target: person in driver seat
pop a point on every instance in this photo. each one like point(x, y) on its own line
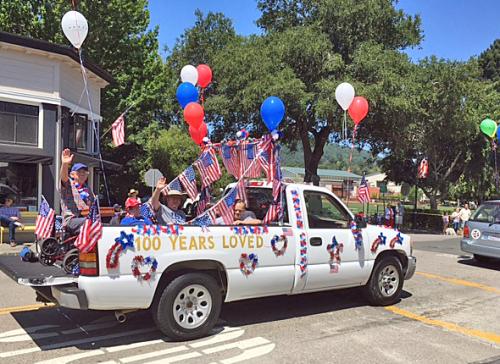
point(244, 217)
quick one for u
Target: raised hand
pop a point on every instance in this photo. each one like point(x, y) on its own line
point(161, 184)
point(66, 157)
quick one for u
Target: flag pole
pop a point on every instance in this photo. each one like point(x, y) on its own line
point(123, 113)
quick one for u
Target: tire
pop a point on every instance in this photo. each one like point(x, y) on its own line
point(196, 299)
point(380, 293)
point(71, 259)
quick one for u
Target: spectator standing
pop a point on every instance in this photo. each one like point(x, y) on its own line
point(10, 217)
point(389, 216)
point(464, 213)
point(446, 221)
point(455, 217)
point(400, 212)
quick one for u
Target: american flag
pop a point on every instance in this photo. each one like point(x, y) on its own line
point(203, 220)
point(266, 160)
point(226, 207)
point(208, 166)
point(146, 211)
point(175, 184)
point(248, 164)
point(118, 131)
point(231, 159)
point(91, 231)
point(188, 180)
point(363, 191)
point(241, 191)
point(44, 220)
point(203, 201)
point(275, 208)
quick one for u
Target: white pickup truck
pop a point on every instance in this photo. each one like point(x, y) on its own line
point(183, 274)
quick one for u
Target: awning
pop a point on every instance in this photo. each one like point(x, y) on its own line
point(95, 162)
point(24, 154)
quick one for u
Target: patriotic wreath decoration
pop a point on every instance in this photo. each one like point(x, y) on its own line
point(380, 240)
point(140, 261)
point(334, 249)
point(398, 239)
point(296, 207)
point(276, 239)
point(122, 242)
point(358, 236)
point(248, 263)
point(303, 255)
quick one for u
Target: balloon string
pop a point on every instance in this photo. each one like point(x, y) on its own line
point(203, 97)
point(345, 125)
point(352, 147)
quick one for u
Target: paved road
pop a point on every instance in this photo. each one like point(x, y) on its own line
point(449, 313)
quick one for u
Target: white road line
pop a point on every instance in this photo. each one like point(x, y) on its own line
point(27, 330)
point(218, 338)
point(243, 344)
point(133, 358)
point(73, 342)
point(28, 337)
point(115, 349)
point(70, 358)
point(250, 353)
point(173, 359)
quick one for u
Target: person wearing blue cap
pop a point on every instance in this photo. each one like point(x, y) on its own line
point(75, 193)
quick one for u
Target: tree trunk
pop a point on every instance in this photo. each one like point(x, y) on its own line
point(433, 202)
point(313, 157)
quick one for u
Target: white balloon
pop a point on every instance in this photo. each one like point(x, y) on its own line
point(189, 74)
point(344, 94)
point(75, 28)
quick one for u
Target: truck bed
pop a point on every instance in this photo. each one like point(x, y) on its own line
point(33, 274)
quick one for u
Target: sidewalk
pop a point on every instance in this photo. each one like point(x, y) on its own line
point(432, 237)
point(6, 249)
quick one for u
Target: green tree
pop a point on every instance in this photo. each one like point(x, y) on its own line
point(120, 42)
point(308, 48)
point(489, 61)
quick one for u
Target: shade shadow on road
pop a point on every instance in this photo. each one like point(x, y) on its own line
point(493, 264)
point(57, 328)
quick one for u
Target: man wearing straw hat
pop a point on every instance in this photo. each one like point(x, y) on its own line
point(170, 212)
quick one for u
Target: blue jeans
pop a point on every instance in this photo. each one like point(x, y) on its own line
point(7, 222)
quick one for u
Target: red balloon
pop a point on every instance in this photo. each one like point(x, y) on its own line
point(194, 114)
point(204, 75)
point(358, 109)
point(198, 134)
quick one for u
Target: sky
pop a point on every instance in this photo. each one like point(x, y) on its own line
point(453, 29)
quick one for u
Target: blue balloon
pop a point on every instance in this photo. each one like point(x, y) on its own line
point(186, 93)
point(272, 112)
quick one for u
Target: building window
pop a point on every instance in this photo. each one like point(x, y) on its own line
point(19, 180)
point(18, 123)
point(78, 134)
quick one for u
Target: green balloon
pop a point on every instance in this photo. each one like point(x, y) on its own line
point(488, 127)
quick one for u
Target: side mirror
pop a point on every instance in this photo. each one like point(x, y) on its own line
point(360, 221)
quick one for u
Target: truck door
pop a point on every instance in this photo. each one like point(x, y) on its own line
point(328, 231)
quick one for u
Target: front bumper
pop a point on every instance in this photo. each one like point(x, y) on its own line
point(70, 296)
point(412, 266)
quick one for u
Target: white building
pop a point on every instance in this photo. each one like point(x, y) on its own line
point(374, 180)
point(43, 110)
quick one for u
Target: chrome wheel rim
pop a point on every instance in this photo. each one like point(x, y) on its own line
point(388, 280)
point(192, 306)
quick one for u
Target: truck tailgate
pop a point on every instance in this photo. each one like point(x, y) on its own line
point(33, 274)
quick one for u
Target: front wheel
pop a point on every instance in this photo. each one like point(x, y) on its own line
point(386, 282)
point(188, 307)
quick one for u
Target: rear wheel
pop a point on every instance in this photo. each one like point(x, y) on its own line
point(386, 282)
point(71, 259)
point(188, 307)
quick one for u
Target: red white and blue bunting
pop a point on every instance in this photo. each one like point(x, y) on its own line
point(303, 255)
point(123, 242)
point(334, 249)
point(358, 236)
point(296, 207)
point(246, 230)
point(152, 230)
point(248, 263)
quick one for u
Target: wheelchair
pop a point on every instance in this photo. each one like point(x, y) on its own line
point(59, 250)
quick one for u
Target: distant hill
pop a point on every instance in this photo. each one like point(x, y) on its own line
point(334, 157)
